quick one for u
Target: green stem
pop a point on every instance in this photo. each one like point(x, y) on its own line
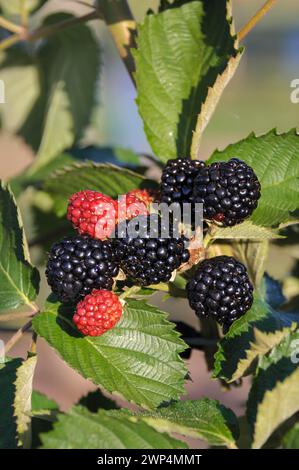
point(255, 19)
point(10, 26)
point(46, 31)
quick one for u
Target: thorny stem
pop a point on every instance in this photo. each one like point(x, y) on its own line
point(255, 19)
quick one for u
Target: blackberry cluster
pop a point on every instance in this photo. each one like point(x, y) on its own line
point(177, 180)
point(151, 256)
point(79, 264)
point(220, 289)
point(229, 191)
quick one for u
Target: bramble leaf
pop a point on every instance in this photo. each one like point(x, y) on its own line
point(205, 419)
point(108, 179)
point(81, 429)
point(138, 359)
point(273, 396)
point(274, 158)
point(18, 279)
point(185, 56)
point(251, 336)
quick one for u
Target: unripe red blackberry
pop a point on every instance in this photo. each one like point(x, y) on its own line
point(149, 256)
point(97, 313)
point(92, 213)
point(229, 191)
point(220, 289)
point(79, 264)
point(136, 202)
point(177, 180)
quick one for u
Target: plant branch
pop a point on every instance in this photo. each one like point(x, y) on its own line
point(46, 31)
point(10, 41)
point(10, 26)
point(255, 19)
point(122, 26)
point(18, 335)
point(14, 316)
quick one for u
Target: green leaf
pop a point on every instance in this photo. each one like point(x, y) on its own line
point(139, 358)
point(273, 397)
point(8, 430)
point(182, 66)
point(22, 401)
point(80, 429)
point(108, 179)
point(274, 158)
point(254, 255)
point(204, 419)
point(20, 73)
point(70, 63)
point(19, 280)
point(251, 336)
point(39, 402)
point(44, 412)
point(291, 439)
point(246, 230)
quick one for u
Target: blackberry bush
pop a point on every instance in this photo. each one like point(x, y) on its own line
point(121, 315)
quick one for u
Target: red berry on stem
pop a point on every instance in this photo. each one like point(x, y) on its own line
point(92, 213)
point(97, 313)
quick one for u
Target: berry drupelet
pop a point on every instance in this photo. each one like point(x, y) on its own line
point(149, 256)
point(229, 191)
point(79, 264)
point(220, 289)
point(92, 213)
point(177, 180)
point(97, 313)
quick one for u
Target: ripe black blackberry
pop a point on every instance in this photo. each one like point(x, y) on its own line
point(177, 180)
point(220, 289)
point(229, 191)
point(79, 264)
point(149, 255)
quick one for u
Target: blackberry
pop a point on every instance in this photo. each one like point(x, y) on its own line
point(229, 191)
point(79, 264)
point(177, 180)
point(220, 289)
point(149, 255)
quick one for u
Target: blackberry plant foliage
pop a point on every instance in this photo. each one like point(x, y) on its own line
point(107, 273)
